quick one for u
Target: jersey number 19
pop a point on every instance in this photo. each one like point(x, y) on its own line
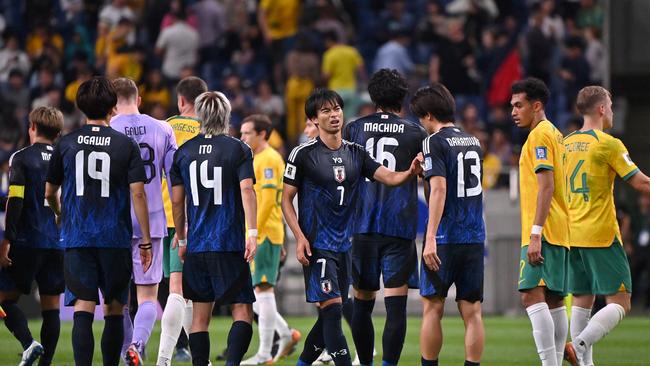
point(101, 171)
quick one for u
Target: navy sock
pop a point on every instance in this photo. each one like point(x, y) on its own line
point(50, 329)
point(182, 342)
point(314, 343)
point(112, 339)
point(429, 362)
point(335, 341)
point(363, 332)
point(470, 363)
point(239, 338)
point(83, 341)
point(200, 348)
point(348, 309)
point(394, 329)
point(17, 323)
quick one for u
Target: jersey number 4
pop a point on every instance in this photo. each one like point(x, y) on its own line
point(206, 182)
point(99, 168)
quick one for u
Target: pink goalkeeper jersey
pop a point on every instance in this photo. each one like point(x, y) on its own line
point(157, 148)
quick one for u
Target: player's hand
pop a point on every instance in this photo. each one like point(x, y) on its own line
point(146, 256)
point(57, 220)
point(416, 164)
point(283, 254)
point(535, 250)
point(5, 261)
point(251, 248)
point(302, 248)
point(182, 251)
point(175, 242)
point(430, 254)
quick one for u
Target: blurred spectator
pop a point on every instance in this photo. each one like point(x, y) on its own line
point(50, 98)
point(574, 69)
point(341, 66)
point(41, 37)
point(395, 18)
point(16, 92)
point(538, 48)
point(83, 74)
point(552, 23)
point(101, 44)
point(176, 7)
point(595, 55)
point(12, 57)
point(157, 111)
point(44, 82)
point(241, 103)
point(211, 18)
point(126, 62)
point(463, 7)
point(638, 250)
point(79, 44)
point(268, 103)
point(491, 163)
point(470, 120)
point(178, 44)
point(118, 40)
point(500, 146)
point(302, 70)
point(154, 91)
point(116, 10)
point(432, 25)
point(329, 22)
point(590, 15)
point(394, 54)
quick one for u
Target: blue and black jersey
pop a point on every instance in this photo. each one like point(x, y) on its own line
point(95, 166)
point(393, 142)
point(457, 156)
point(328, 183)
point(210, 169)
point(35, 224)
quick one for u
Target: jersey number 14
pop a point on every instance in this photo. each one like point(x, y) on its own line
point(206, 182)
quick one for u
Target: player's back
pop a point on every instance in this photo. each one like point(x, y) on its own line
point(157, 146)
point(457, 156)
point(95, 165)
point(593, 159)
point(36, 226)
point(393, 142)
point(211, 167)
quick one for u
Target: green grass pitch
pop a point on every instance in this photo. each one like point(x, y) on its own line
point(508, 342)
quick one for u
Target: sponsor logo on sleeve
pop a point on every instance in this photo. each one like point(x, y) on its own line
point(540, 153)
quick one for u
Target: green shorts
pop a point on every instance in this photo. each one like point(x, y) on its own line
point(171, 261)
point(552, 274)
point(599, 271)
point(265, 266)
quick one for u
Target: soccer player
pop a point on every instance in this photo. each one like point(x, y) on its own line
point(214, 172)
point(97, 167)
point(326, 173)
point(384, 235)
point(454, 244)
point(544, 221)
point(597, 261)
point(31, 249)
point(269, 167)
point(157, 146)
point(177, 314)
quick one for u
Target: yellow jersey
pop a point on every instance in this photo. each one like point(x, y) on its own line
point(544, 149)
point(341, 62)
point(269, 168)
point(593, 159)
point(184, 128)
point(281, 17)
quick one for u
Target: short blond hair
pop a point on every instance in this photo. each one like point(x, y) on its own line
point(591, 97)
point(125, 88)
point(48, 121)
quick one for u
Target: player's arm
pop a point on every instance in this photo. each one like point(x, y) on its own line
point(290, 216)
point(390, 178)
point(545, 189)
point(136, 178)
point(249, 201)
point(437, 196)
point(13, 209)
point(178, 215)
point(640, 182)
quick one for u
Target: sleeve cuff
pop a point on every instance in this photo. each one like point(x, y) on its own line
point(630, 174)
point(543, 167)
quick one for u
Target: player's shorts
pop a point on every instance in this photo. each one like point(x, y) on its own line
point(460, 264)
point(328, 275)
point(395, 259)
point(599, 271)
point(29, 264)
point(89, 269)
point(154, 274)
point(552, 274)
point(171, 261)
point(220, 277)
point(265, 266)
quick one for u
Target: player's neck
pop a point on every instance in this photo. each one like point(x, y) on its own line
point(127, 108)
point(332, 140)
point(261, 147)
point(99, 122)
point(41, 140)
point(592, 124)
point(188, 112)
point(539, 117)
point(386, 110)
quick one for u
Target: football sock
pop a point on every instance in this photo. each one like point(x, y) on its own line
point(83, 341)
point(266, 322)
point(348, 309)
point(428, 362)
point(314, 343)
point(281, 325)
point(363, 332)
point(183, 341)
point(171, 325)
point(561, 325)
point(394, 328)
point(239, 338)
point(335, 342)
point(543, 332)
point(200, 347)
point(17, 323)
point(50, 329)
point(600, 324)
point(143, 323)
point(112, 339)
point(579, 319)
point(128, 330)
point(188, 312)
point(470, 363)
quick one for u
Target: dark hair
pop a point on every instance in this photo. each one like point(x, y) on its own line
point(330, 36)
point(388, 89)
point(534, 89)
point(320, 97)
point(191, 87)
point(96, 98)
point(435, 100)
point(16, 72)
point(261, 123)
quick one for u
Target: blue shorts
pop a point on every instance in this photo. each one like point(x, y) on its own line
point(88, 269)
point(374, 255)
point(220, 277)
point(327, 276)
point(45, 266)
point(462, 265)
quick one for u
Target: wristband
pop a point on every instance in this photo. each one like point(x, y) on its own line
point(252, 232)
point(182, 242)
point(536, 230)
point(145, 246)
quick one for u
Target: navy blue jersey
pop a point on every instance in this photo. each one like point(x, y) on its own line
point(210, 169)
point(457, 156)
point(328, 183)
point(393, 142)
point(36, 226)
point(95, 166)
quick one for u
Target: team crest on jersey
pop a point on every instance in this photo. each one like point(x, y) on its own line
point(326, 286)
point(339, 173)
point(268, 173)
point(290, 171)
point(540, 153)
point(627, 159)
